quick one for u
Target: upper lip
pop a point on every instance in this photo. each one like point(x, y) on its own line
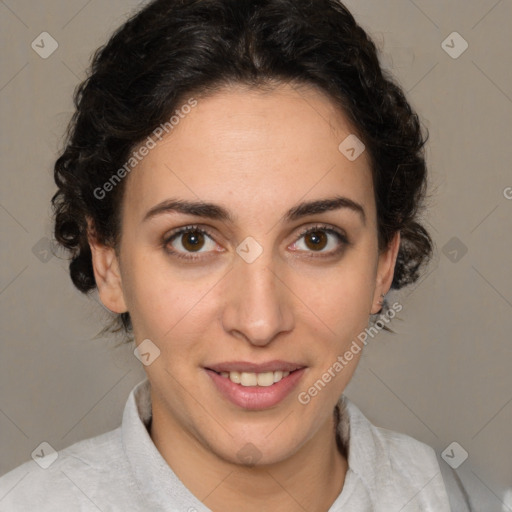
point(245, 366)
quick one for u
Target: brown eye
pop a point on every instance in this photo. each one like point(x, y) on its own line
point(321, 239)
point(193, 241)
point(187, 241)
point(316, 240)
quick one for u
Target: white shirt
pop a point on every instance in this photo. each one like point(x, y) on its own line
point(122, 470)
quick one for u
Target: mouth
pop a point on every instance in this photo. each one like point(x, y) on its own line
point(261, 379)
point(255, 387)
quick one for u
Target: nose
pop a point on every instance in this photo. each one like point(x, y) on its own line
point(259, 304)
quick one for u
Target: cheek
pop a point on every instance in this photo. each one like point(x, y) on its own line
point(342, 297)
point(151, 299)
point(163, 305)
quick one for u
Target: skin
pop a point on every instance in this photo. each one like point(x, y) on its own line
point(257, 154)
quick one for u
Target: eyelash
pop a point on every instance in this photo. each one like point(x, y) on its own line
point(342, 238)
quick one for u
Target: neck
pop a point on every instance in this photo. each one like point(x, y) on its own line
point(311, 479)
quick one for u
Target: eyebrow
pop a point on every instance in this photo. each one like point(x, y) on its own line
point(217, 212)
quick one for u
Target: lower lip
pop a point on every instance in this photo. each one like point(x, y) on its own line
point(256, 397)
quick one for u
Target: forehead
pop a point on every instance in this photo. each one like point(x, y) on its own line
point(252, 150)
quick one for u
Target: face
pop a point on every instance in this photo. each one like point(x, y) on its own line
point(276, 272)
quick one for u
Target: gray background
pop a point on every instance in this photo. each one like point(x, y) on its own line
point(445, 376)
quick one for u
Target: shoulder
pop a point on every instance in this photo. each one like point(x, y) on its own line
point(394, 467)
point(386, 444)
point(73, 478)
point(418, 457)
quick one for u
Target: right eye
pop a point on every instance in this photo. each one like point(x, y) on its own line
point(185, 242)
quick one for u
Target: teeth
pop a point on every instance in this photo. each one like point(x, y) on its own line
point(235, 377)
point(278, 376)
point(263, 379)
point(248, 379)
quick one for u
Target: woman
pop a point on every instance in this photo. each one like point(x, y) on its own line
point(241, 184)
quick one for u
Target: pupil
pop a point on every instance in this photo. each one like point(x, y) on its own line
point(193, 240)
point(317, 238)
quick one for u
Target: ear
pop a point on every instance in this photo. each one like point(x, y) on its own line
point(385, 272)
point(106, 272)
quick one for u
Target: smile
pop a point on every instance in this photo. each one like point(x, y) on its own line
point(263, 379)
point(255, 390)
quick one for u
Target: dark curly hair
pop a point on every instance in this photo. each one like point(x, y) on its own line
point(173, 49)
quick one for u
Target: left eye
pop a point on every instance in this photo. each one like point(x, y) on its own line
point(320, 239)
